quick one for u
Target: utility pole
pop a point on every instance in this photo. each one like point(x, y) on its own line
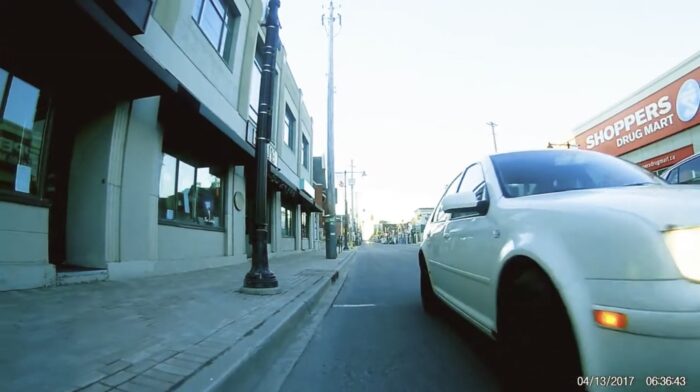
point(493, 132)
point(352, 202)
point(351, 221)
point(347, 217)
point(331, 239)
point(260, 276)
point(352, 194)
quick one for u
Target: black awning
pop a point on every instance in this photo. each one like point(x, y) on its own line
point(84, 54)
point(233, 135)
point(307, 203)
point(128, 43)
point(285, 186)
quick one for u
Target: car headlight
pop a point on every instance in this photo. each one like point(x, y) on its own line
point(684, 245)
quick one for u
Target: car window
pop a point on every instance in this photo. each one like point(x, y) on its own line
point(672, 177)
point(440, 215)
point(535, 172)
point(481, 192)
point(689, 172)
point(473, 179)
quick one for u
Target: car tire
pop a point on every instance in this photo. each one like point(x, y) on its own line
point(431, 303)
point(536, 335)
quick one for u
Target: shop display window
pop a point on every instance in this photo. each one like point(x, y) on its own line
point(287, 221)
point(305, 224)
point(190, 194)
point(23, 124)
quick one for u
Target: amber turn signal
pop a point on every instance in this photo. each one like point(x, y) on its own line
point(609, 319)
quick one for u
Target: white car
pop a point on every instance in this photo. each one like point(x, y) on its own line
point(586, 268)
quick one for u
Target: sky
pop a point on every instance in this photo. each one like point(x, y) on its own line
point(417, 81)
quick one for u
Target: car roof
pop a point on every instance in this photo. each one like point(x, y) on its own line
point(546, 151)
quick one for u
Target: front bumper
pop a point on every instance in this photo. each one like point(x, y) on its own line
point(646, 358)
point(662, 337)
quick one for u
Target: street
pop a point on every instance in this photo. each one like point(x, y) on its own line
point(376, 336)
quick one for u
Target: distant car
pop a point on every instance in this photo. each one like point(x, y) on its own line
point(581, 264)
point(686, 171)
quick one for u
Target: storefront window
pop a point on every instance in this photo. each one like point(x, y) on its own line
point(24, 112)
point(196, 200)
point(287, 222)
point(304, 225)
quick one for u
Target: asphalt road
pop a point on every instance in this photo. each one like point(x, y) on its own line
point(376, 336)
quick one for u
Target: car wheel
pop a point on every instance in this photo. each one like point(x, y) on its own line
point(431, 303)
point(536, 334)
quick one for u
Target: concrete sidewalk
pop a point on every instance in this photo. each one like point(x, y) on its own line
point(152, 334)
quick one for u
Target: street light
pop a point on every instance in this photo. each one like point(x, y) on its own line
point(352, 197)
point(260, 278)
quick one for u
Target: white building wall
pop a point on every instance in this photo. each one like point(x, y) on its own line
point(184, 243)
point(179, 46)
point(143, 156)
point(24, 247)
point(237, 216)
point(93, 187)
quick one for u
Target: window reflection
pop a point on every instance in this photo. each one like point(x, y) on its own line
point(287, 221)
point(689, 173)
point(196, 200)
point(23, 115)
point(209, 196)
point(254, 97)
point(3, 81)
point(21, 104)
point(211, 24)
point(305, 152)
point(213, 17)
point(168, 200)
point(289, 128)
point(304, 225)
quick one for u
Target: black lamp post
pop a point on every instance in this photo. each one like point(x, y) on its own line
point(260, 276)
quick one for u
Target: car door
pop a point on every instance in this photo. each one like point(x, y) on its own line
point(433, 245)
point(473, 243)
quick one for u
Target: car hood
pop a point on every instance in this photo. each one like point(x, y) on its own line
point(664, 206)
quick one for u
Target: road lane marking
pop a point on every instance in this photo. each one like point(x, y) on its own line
point(353, 305)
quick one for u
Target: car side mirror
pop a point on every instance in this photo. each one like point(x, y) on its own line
point(465, 203)
point(459, 201)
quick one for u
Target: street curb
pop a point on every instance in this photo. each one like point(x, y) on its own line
point(246, 362)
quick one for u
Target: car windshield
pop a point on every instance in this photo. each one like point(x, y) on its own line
point(536, 172)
